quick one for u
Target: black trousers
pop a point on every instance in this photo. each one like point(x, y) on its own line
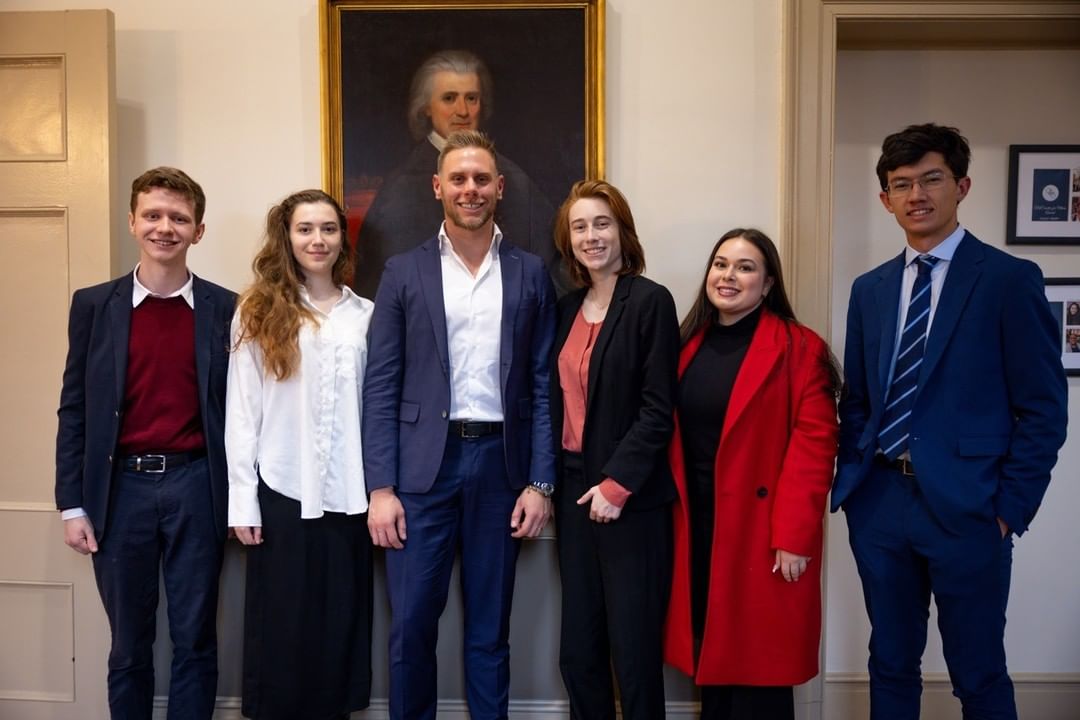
point(615, 583)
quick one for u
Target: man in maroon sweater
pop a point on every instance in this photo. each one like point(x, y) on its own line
point(140, 457)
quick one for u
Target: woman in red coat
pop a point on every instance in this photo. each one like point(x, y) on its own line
point(752, 457)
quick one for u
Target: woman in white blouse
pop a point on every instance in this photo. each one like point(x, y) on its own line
point(296, 479)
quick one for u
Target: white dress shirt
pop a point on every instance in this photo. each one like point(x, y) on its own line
point(140, 292)
point(300, 435)
point(473, 306)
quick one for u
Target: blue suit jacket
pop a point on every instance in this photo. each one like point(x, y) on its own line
point(990, 412)
point(92, 397)
point(407, 383)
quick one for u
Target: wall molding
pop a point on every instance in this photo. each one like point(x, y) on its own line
point(28, 507)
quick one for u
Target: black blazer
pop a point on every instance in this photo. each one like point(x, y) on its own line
point(92, 397)
point(633, 375)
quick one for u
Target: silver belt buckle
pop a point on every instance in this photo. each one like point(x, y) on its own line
point(139, 467)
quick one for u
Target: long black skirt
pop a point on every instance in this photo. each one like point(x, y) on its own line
point(307, 614)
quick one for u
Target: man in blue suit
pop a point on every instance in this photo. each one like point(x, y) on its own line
point(140, 453)
point(458, 451)
point(954, 412)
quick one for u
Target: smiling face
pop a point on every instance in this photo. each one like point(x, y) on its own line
point(927, 216)
point(470, 187)
point(315, 236)
point(163, 224)
point(594, 237)
point(455, 102)
point(737, 281)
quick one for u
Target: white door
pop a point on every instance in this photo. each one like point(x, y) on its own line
point(57, 117)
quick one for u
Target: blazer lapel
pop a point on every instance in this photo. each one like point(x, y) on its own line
point(963, 271)
point(611, 320)
point(887, 299)
point(429, 265)
point(761, 357)
point(204, 336)
point(512, 283)
point(120, 325)
point(567, 316)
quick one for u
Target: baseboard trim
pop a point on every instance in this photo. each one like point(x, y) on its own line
point(228, 708)
point(1047, 696)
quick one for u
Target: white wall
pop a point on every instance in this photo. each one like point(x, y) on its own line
point(229, 91)
point(996, 98)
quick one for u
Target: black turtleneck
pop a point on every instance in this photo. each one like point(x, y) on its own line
point(704, 392)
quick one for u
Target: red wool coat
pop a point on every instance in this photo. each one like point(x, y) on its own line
point(773, 470)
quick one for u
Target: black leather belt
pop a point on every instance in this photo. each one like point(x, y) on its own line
point(473, 429)
point(902, 465)
point(160, 462)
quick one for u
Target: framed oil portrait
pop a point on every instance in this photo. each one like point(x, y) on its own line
point(1044, 195)
point(1064, 297)
point(398, 76)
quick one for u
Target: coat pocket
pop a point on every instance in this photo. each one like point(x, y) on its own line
point(408, 412)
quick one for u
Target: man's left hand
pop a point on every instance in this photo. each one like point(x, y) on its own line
point(530, 515)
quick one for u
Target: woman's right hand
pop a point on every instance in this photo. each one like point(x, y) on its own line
point(249, 535)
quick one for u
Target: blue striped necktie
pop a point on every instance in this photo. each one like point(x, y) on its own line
point(893, 438)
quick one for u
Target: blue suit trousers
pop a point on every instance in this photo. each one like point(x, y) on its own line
point(903, 556)
point(468, 507)
point(161, 520)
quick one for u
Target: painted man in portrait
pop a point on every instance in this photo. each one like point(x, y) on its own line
point(450, 91)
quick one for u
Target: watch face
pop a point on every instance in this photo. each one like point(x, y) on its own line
point(546, 488)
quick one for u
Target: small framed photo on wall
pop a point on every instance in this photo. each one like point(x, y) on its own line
point(1044, 195)
point(1064, 297)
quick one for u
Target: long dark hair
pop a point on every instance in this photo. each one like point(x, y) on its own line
point(702, 313)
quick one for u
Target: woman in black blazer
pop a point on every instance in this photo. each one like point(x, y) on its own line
point(613, 389)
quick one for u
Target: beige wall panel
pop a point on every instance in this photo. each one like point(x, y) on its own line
point(35, 553)
point(32, 115)
point(37, 624)
point(33, 247)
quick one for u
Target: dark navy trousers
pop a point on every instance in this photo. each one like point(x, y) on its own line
point(904, 555)
point(468, 508)
point(161, 521)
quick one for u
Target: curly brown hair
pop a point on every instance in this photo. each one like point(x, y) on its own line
point(271, 312)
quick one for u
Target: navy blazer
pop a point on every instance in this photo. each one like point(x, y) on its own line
point(407, 383)
point(92, 397)
point(633, 379)
point(990, 411)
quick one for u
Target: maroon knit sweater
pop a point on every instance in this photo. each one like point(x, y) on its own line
point(161, 392)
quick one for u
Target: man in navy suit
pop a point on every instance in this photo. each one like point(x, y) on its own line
point(140, 454)
point(458, 451)
point(954, 411)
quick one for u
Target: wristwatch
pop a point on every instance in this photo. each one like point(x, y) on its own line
point(544, 488)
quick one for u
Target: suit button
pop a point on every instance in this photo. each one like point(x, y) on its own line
point(762, 491)
point(110, 459)
point(445, 414)
point(117, 413)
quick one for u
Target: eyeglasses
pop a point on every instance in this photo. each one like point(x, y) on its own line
point(929, 182)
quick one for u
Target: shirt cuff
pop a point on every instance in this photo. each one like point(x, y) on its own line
point(72, 513)
point(614, 493)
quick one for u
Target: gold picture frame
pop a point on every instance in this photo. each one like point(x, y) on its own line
point(544, 106)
